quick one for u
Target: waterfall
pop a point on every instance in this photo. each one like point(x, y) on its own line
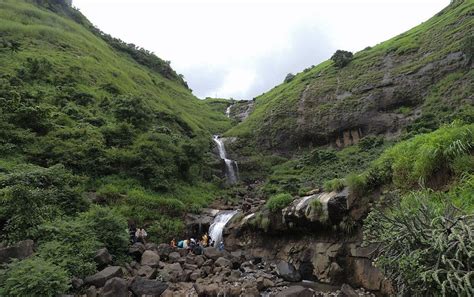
point(217, 226)
point(227, 111)
point(231, 168)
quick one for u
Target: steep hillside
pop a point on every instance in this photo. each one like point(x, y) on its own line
point(71, 94)
point(409, 84)
point(85, 115)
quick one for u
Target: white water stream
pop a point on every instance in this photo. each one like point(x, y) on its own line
point(231, 169)
point(217, 226)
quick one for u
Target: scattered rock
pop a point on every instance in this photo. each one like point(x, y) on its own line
point(348, 291)
point(136, 251)
point(150, 258)
point(103, 257)
point(115, 287)
point(150, 288)
point(223, 262)
point(164, 250)
point(174, 257)
point(147, 272)
point(77, 283)
point(100, 278)
point(207, 290)
point(296, 291)
point(366, 275)
point(212, 253)
point(288, 272)
point(172, 272)
point(91, 292)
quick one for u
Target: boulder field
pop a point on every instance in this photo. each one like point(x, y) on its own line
point(161, 270)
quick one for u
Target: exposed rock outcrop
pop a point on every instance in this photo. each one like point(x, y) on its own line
point(20, 250)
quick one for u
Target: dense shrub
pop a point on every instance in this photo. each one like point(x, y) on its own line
point(133, 110)
point(69, 243)
point(289, 77)
point(357, 184)
point(33, 277)
point(279, 201)
point(33, 195)
point(468, 47)
point(417, 159)
point(341, 58)
point(35, 69)
point(425, 245)
point(334, 185)
point(165, 229)
point(109, 227)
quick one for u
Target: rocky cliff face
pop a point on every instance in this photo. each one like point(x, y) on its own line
point(416, 80)
point(308, 235)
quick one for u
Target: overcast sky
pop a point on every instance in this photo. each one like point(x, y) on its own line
point(240, 49)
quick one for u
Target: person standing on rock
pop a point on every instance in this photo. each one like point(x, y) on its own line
point(141, 235)
point(220, 247)
point(132, 230)
point(205, 240)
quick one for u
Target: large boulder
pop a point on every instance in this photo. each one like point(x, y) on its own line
point(136, 251)
point(150, 258)
point(223, 262)
point(174, 257)
point(102, 257)
point(147, 272)
point(172, 272)
point(20, 250)
point(100, 278)
point(366, 275)
point(150, 288)
point(207, 290)
point(115, 287)
point(212, 253)
point(164, 250)
point(288, 272)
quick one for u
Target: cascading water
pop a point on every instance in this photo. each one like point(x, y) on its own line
point(217, 226)
point(227, 111)
point(231, 169)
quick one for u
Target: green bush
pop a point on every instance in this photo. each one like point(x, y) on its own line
point(468, 47)
point(415, 160)
point(289, 77)
point(425, 245)
point(334, 185)
point(165, 229)
point(69, 244)
point(109, 227)
point(357, 185)
point(279, 201)
point(33, 277)
point(30, 196)
point(341, 58)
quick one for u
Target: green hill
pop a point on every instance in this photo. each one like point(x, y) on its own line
point(71, 94)
point(88, 117)
point(411, 83)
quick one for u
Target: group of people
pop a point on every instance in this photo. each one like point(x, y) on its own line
point(196, 246)
point(137, 234)
point(191, 244)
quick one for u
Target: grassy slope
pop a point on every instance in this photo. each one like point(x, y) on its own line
point(74, 50)
point(275, 113)
point(74, 105)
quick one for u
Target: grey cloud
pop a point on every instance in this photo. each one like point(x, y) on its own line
point(308, 46)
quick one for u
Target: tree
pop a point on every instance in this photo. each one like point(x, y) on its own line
point(341, 58)
point(289, 77)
